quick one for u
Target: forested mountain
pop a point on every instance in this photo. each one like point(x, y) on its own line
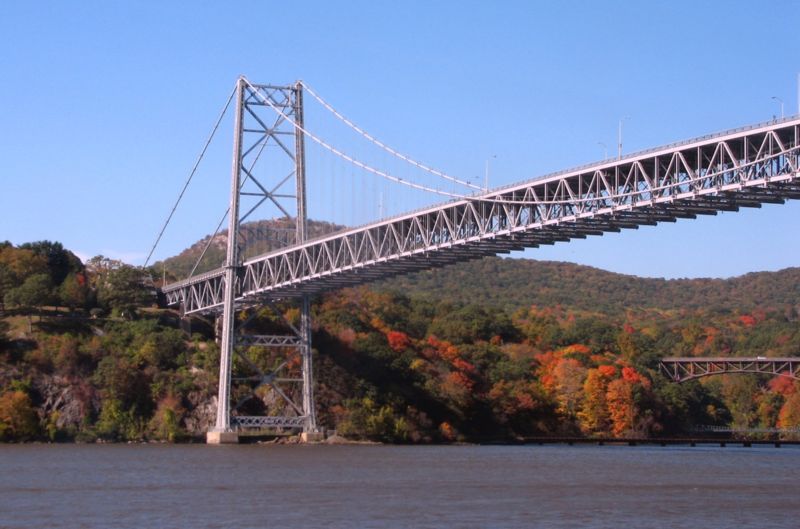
point(497, 349)
point(255, 238)
point(511, 284)
point(515, 283)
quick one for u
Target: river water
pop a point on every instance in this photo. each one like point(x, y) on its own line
point(272, 486)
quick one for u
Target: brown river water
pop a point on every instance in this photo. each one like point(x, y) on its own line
point(271, 486)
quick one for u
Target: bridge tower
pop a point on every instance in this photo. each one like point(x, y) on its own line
point(268, 120)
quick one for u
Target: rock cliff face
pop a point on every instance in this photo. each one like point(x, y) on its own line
point(202, 414)
point(71, 400)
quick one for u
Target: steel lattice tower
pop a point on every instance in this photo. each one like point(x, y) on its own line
point(267, 120)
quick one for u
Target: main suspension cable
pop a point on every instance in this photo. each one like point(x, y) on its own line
point(495, 195)
point(385, 147)
point(191, 175)
point(347, 157)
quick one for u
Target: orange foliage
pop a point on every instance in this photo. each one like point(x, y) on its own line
point(459, 380)
point(621, 408)
point(444, 349)
point(598, 359)
point(512, 396)
point(629, 374)
point(577, 348)
point(607, 371)
point(378, 324)
point(783, 385)
point(347, 336)
point(447, 431)
point(789, 416)
point(463, 365)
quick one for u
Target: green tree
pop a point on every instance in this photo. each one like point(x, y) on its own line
point(124, 288)
point(60, 262)
point(74, 291)
point(36, 291)
point(16, 265)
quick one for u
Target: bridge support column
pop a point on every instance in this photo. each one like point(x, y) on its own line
point(222, 431)
point(310, 426)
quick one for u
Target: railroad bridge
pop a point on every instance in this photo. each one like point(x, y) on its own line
point(681, 369)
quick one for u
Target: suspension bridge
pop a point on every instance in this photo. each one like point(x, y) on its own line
point(740, 168)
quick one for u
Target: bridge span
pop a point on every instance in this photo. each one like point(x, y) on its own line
point(720, 172)
point(738, 168)
point(687, 368)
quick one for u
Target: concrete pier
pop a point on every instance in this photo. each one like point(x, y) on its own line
point(312, 437)
point(222, 438)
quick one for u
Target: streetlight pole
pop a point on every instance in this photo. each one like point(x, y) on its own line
point(779, 100)
point(605, 149)
point(486, 175)
point(619, 137)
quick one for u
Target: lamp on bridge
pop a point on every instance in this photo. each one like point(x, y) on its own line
point(605, 149)
point(486, 175)
point(619, 137)
point(779, 100)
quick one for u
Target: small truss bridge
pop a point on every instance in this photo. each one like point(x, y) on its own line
point(682, 369)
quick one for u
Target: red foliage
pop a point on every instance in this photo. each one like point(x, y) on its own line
point(444, 349)
point(783, 385)
point(629, 374)
point(628, 329)
point(398, 341)
point(747, 320)
point(463, 366)
point(607, 371)
point(460, 379)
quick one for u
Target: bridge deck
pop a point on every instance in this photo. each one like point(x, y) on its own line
point(680, 369)
point(722, 172)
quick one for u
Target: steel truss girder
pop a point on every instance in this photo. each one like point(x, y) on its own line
point(261, 340)
point(683, 369)
point(740, 168)
point(263, 422)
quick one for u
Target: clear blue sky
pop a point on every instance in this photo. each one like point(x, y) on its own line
point(105, 106)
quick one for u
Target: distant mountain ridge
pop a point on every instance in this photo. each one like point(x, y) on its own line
point(515, 283)
point(255, 238)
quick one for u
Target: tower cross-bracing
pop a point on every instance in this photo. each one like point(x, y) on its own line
point(254, 131)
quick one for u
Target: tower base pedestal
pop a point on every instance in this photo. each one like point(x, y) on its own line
point(222, 438)
point(312, 437)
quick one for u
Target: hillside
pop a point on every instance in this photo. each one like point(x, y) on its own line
point(497, 349)
point(512, 284)
point(517, 283)
point(256, 238)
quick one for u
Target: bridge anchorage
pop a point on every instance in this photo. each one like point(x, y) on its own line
point(688, 368)
point(745, 167)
